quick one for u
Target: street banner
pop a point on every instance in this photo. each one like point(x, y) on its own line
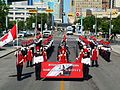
point(61, 70)
point(10, 36)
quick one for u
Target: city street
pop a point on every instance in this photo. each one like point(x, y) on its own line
point(104, 77)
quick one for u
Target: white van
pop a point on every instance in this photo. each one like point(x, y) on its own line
point(46, 33)
point(69, 30)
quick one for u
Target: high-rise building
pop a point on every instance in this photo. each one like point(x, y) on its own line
point(105, 4)
point(117, 3)
point(20, 10)
point(87, 4)
point(52, 4)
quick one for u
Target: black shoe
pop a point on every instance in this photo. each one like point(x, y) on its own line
point(19, 79)
point(37, 79)
point(97, 65)
point(92, 65)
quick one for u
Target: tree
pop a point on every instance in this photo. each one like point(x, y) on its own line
point(32, 19)
point(116, 25)
point(89, 22)
point(3, 12)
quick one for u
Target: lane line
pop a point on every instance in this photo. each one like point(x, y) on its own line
point(61, 85)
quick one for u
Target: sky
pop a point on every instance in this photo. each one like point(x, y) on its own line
point(66, 9)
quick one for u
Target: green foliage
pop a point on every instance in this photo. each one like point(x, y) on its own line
point(89, 22)
point(116, 25)
point(3, 12)
point(103, 24)
point(43, 16)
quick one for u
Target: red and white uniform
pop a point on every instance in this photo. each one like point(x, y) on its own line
point(85, 50)
point(94, 54)
point(62, 58)
point(62, 50)
point(37, 48)
point(20, 58)
point(64, 38)
point(44, 55)
point(29, 55)
point(81, 56)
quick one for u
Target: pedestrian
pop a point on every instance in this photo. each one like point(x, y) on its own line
point(94, 57)
point(29, 57)
point(19, 64)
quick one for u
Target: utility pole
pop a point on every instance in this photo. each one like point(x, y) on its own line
point(6, 17)
point(110, 18)
point(62, 11)
point(96, 25)
point(41, 23)
point(81, 17)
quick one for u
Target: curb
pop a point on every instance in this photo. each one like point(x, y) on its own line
point(8, 53)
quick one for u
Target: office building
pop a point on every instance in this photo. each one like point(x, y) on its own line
point(105, 4)
point(87, 4)
point(20, 10)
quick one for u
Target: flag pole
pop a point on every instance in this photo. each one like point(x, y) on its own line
point(17, 40)
point(17, 32)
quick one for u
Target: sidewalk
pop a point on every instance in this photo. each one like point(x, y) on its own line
point(6, 51)
point(116, 48)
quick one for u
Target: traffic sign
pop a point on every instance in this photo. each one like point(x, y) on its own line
point(33, 11)
point(77, 14)
point(49, 10)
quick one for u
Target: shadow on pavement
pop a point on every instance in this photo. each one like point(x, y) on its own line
point(1, 49)
point(24, 76)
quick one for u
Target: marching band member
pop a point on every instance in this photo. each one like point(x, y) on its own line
point(62, 58)
point(44, 55)
point(37, 48)
point(37, 66)
point(29, 57)
point(62, 49)
point(19, 64)
point(86, 62)
point(94, 57)
point(64, 38)
point(80, 56)
point(24, 50)
point(38, 54)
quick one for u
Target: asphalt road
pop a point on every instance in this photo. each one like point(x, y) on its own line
point(105, 77)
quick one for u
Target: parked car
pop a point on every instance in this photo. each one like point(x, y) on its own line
point(46, 33)
point(22, 34)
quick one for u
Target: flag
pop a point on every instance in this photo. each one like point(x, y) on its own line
point(10, 36)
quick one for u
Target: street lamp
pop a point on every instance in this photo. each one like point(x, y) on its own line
point(110, 17)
